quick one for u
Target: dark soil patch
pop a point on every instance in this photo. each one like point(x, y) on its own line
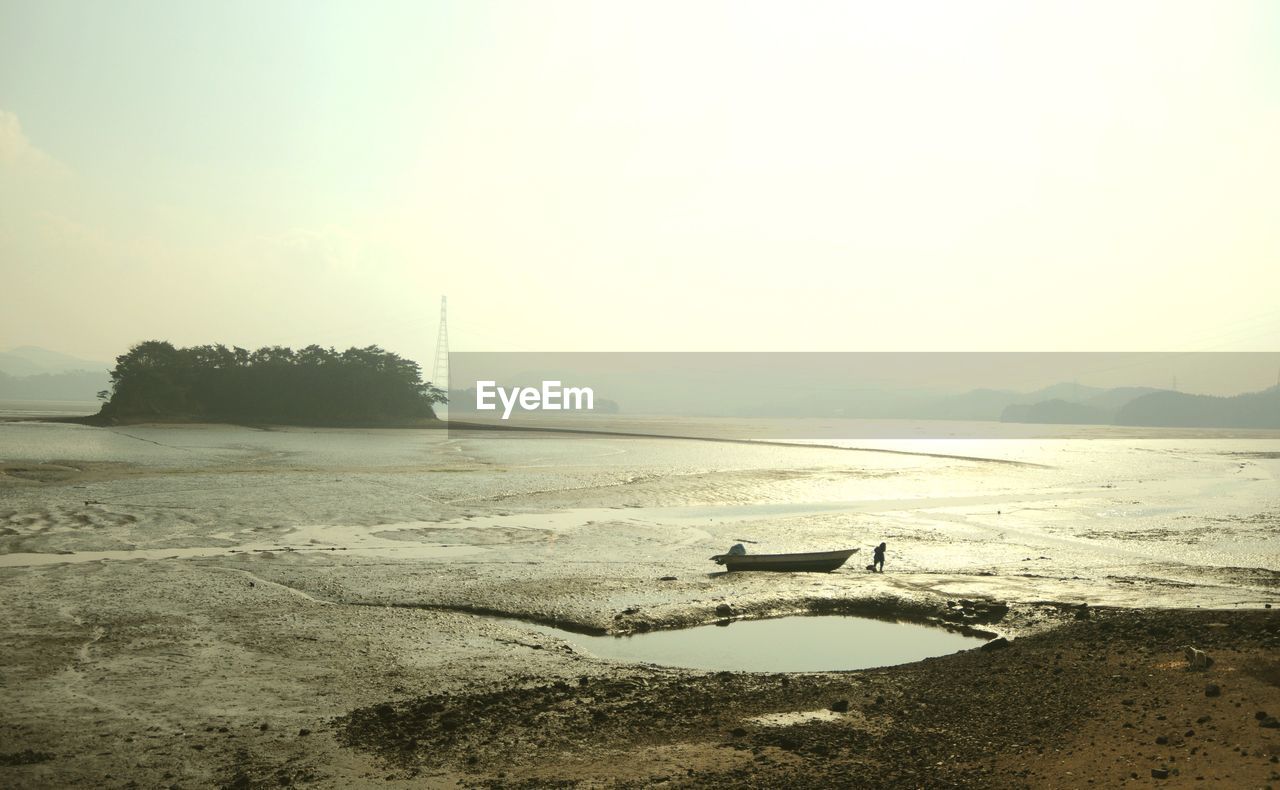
point(982, 718)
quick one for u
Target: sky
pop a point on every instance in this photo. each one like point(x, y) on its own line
point(657, 176)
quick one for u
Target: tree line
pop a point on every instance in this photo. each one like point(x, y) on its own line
point(313, 385)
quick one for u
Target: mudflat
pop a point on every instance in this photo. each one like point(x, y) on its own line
point(206, 606)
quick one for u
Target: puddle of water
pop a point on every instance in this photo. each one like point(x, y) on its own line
point(784, 644)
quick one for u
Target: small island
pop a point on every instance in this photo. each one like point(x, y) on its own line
point(156, 381)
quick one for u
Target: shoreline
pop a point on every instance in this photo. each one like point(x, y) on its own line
point(107, 421)
point(1053, 431)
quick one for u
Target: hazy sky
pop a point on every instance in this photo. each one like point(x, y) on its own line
point(641, 176)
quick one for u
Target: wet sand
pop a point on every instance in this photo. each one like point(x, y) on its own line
point(250, 612)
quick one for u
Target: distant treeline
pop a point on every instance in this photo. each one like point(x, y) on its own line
point(312, 386)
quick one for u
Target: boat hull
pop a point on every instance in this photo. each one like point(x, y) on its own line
point(812, 562)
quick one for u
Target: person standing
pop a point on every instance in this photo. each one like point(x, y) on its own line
point(877, 559)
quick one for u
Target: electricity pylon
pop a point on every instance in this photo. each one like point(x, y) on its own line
point(440, 373)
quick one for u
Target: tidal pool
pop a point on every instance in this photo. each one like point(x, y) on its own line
point(784, 644)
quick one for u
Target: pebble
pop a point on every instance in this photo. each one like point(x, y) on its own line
point(1212, 690)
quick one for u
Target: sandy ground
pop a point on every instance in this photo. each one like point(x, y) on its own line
point(195, 675)
point(233, 640)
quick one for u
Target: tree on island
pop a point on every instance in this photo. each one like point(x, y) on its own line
point(314, 385)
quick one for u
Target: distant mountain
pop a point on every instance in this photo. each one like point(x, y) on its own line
point(1178, 409)
point(985, 404)
point(981, 404)
point(1138, 406)
point(1093, 404)
point(1074, 405)
point(1070, 392)
point(31, 373)
point(1056, 412)
point(1113, 400)
point(32, 361)
point(79, 385)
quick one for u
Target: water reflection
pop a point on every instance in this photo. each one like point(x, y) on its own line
point(785, 644)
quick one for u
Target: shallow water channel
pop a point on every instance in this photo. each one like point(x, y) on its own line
point(784, 644)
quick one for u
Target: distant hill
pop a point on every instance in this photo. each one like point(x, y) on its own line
point(1113, 400)
point(1091, 406)
point(32, 361)
point(1073, 404)
point(1178, 409)
point(32, 373)
point(1056, 412)
point(1137, 406)
point(1096, 405)
point(79, 385)
point(981, 404)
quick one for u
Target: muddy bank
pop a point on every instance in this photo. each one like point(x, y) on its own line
point(1106, 700)
point(980, 618)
